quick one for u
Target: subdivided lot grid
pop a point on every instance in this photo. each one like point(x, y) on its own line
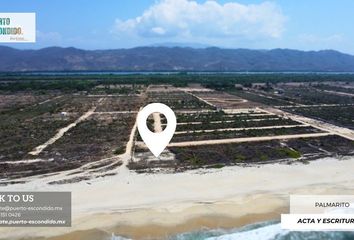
point(75, 137)
point(217, 128)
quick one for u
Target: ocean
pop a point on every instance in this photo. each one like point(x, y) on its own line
point(270, 230)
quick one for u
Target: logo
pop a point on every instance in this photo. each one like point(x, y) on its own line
point(17, 27)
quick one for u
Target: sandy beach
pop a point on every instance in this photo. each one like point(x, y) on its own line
point(139, 205)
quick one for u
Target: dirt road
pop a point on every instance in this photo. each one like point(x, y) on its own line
point(62, 131)
point(247, 139)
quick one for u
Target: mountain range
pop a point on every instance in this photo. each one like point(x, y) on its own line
point(160, 58)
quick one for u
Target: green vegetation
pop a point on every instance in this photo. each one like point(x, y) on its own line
point(34, 107)
point(263, 157)
point(41, 84)
point(178, 100)
point(195, 161)
point(23, 129)
point(218, 166)
point(251, 96)
point(240, 158)
point(291, 153)
point(85, 82)
point(340, 115)
point(292, 95)
point(120, 103)
point(341, 88)
point(199, 136)
point(236, 123)
point(119, 150)
point(267, 151)
point(99, 137)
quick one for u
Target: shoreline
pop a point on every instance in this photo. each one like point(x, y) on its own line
point(156, 231)
point(131, 204)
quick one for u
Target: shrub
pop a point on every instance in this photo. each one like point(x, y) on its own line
point(263, 157)
point(291, 153)
point(239, 158)
point(119, 150)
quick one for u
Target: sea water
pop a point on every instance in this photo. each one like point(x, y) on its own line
point(270, 230)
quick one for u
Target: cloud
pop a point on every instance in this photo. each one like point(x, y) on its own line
point(189, 20)
point(314, 39)
point(51, 38)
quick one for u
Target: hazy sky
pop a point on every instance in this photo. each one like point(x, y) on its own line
point(256, 24)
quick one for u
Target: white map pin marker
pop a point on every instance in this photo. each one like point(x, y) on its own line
point(156, 142)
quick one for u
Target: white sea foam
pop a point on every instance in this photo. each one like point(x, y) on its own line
point(265, 233)
point(114, 237)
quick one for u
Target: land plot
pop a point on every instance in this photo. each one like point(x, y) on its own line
point(21, 131)
point(185, 118)
point(263, 98)
point(118, 89)
point(178, 100)
point(308, 96)
point(237, 123)
point(212, 135)
point(219, 155)
point(347, 88)
point(339, 115)
point(98, 137)
point(323, 145)
point(222, 120)
point(222, 116)
point(261, 151)
point(18, 101)
point(77, 104)
point(224, 100)
point(19, 136)
point(121, 103)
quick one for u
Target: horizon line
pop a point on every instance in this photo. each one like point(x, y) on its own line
point(181, 47)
